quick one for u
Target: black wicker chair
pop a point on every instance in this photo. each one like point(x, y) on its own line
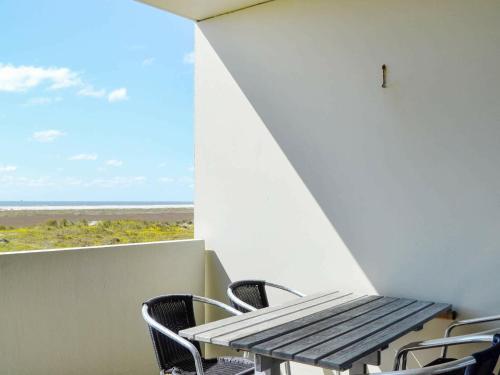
point(480, 363)
point(166, 316)
point(250, 295)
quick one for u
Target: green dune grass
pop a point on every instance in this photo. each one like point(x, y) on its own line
point(63, 233)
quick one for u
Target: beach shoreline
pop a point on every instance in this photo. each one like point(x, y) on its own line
point(18, 217)
point(91, 207)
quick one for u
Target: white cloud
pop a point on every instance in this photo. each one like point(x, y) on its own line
point(148, 61)
point(7, 168)
point(116, 182)
point(183, 181)
point(136, 47)
point(46, 136)
point(72, 181)
point(186, 181)
point(118, 95)
point(114, 163)
point(22, 78)
point(43, 100)
point(8, 180)
point(83, 157)
point(189, 58)
point(14, 181)
point(90, 91)
point(166, 179)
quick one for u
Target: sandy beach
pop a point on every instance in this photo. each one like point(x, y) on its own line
point(29, 217)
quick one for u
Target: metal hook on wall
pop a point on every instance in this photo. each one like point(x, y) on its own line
point(384, 76)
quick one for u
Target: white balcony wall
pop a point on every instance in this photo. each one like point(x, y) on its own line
point(77, 311)
point(310, 174)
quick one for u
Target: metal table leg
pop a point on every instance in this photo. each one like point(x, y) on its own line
point(266, 365)
point(271, 366)
point(361, 365)
point(358, 368)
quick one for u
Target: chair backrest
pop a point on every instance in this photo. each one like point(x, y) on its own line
point(175, 312)
point(252, 292)
point(486, 360)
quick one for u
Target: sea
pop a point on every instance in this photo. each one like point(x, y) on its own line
point(88, 205)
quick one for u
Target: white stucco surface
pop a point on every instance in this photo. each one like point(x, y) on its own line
point(77, 312)
point(201, 9)
point(310, 174)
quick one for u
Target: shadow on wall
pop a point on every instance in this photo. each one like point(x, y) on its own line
point(407, 175)
point(216, 282)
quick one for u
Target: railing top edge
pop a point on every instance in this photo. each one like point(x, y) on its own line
point(101, 247)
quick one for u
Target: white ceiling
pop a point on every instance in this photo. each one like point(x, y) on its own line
point(201, 9)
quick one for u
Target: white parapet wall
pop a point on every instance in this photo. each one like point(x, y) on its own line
point(77, 311)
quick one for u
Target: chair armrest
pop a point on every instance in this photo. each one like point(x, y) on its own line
point(466, 322)
point(484, 319)
point(216, 303)
point(282, 287)
point(434, 370)
point(249, 307)
point(178, 339)
point(401, 354)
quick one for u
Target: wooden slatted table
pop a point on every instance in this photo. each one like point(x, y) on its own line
point(333, 330)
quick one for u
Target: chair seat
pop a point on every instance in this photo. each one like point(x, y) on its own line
point(216, 366)
point(440, 361)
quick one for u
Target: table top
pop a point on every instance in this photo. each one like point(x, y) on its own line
point(330, 329)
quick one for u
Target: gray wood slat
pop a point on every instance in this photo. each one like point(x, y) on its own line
point(235, 326)
point(336, 320)
point(191, 332)
point(231, 333)
point(311, 347)
point(317, 352)
point(343, 359)
point(270, 334)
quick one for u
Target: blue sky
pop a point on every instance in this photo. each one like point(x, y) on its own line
point(96, 101)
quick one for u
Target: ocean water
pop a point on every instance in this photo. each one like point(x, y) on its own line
point(87, 205)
